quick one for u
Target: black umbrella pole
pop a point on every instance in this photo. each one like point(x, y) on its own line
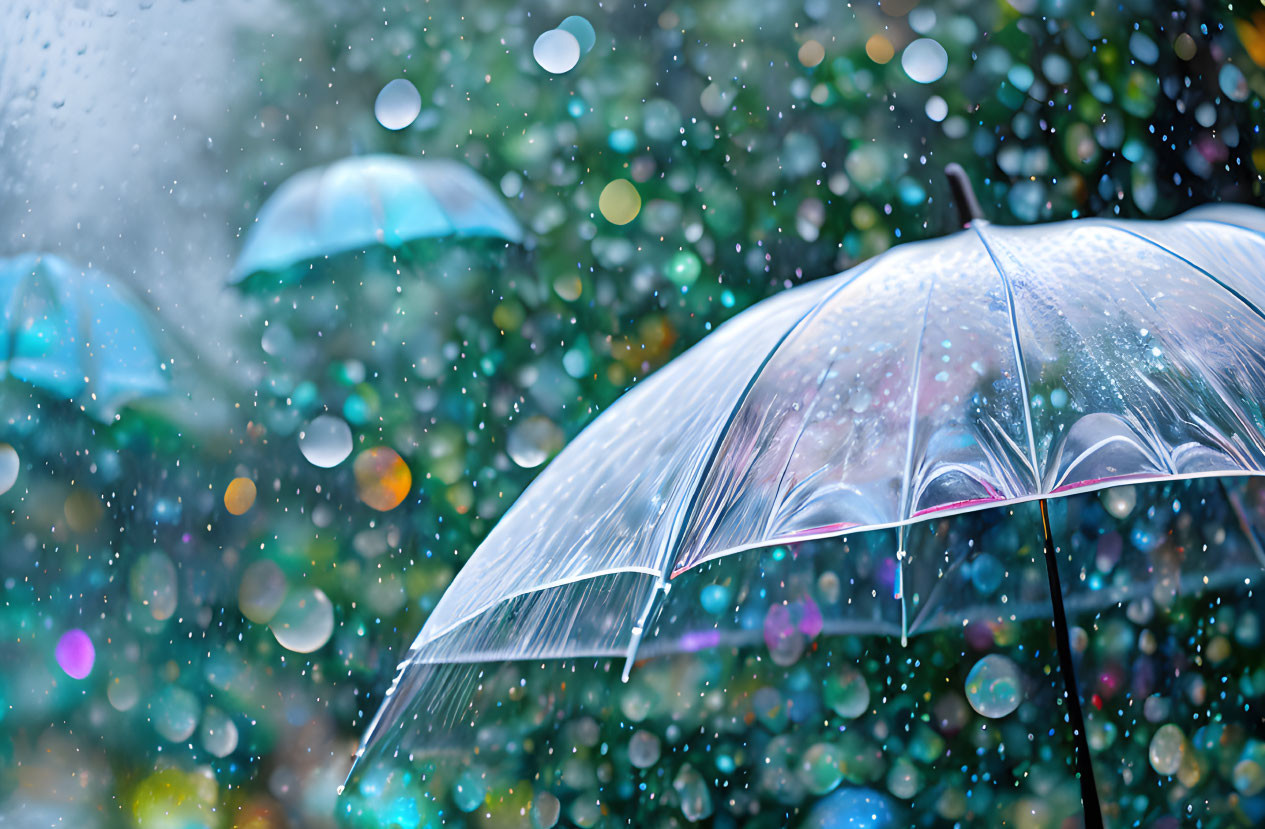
point(1084, 766)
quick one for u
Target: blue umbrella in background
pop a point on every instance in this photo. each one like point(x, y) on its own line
point(74, 333)
point(363, 201)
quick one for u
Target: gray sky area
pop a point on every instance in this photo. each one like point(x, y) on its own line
point(117, 127)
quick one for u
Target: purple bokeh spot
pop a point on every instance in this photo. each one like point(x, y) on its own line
point(75, 653)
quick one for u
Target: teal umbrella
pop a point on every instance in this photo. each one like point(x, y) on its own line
point(74, 333)
point(370, 200)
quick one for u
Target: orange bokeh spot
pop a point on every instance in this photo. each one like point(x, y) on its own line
point(382, 478)
point(240, 496)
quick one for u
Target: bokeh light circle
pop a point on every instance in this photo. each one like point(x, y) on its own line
point(383, 478)
point(326, 441)
point(994, 686)
point(75, 654)
point(398, 104)
point(620, 202)
point(10, 464)
point(557, 51)
point(924, 60)
point(305, 620)
point(239, 496)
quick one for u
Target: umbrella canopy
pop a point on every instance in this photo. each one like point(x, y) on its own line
point(370, 200)
point(994, 366)
point(74, 333)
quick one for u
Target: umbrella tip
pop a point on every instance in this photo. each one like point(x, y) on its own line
point(963, 194)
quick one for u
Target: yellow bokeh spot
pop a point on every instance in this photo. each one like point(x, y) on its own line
point(240, 496)
point(620, 202)
point(880, 49)
point(382, 478)
point(811, 53)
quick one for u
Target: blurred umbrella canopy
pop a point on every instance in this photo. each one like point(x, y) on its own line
point(370, 200)
point(74, 333)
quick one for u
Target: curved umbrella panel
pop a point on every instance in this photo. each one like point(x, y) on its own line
point(364, 201)
point(41, 331)
point(70, 332)
point(991, 367)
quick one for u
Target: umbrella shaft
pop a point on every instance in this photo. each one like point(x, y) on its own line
point(1084, 766)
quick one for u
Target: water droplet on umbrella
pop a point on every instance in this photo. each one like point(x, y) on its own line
point(619, 202)
point(398, 104)
point(305, 620)
point(643, 749)
point(1168, 745)
point(174, 713)
point(219, 733)
point(239, 496)
point(557, 51)
point(75, 653)
point(924, 60)
point(262, 590)
point(994, 686)
point(326, 441)
point(10, 463)
point(382, 478)
point(533, 441)
point(152, 583)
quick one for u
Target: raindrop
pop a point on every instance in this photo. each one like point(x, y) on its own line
point(925, 60)
point(993, 687)
point(398, 104)
point(305, 620)
point(557, 51)
point(326, 441)
point(821, 770)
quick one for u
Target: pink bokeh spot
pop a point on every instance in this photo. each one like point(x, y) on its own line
point(75, 653)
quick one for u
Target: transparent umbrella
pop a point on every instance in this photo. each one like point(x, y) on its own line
point(995, 366)
point(370, 200)
point(74, 333)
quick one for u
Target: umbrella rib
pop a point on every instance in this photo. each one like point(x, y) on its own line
point(915, 384)
point(1019, 362)
point(1252, 306)
point(1243, 419)
point(674, 542)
